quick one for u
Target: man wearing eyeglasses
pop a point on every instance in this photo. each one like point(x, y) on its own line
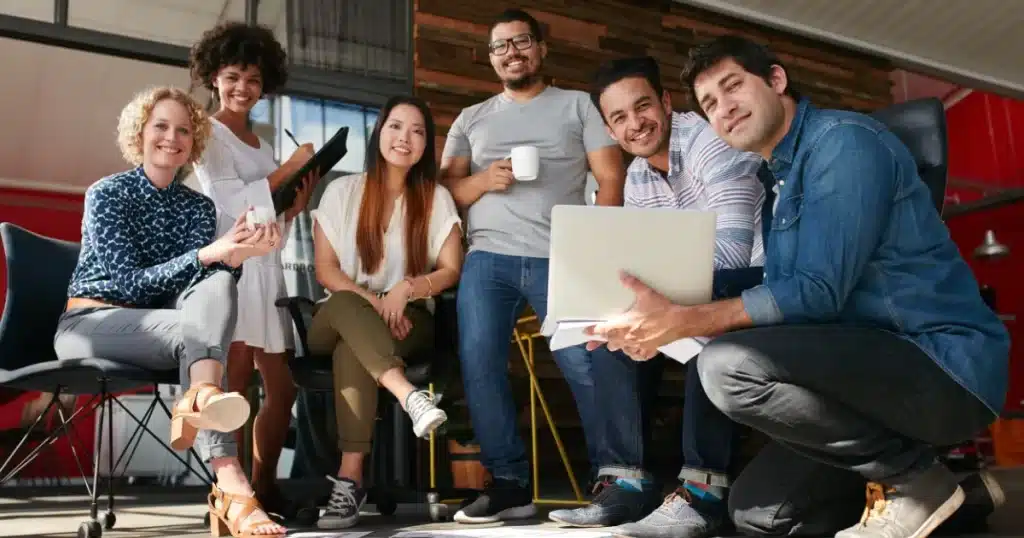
point(508, 228)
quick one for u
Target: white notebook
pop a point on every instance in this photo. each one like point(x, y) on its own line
point(570, 333)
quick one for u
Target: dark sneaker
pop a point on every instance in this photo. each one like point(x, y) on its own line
point(343, 508)
point(910, 510)
point(501, 500)
point(982, 496)
point(680, 516)
point(612, 505)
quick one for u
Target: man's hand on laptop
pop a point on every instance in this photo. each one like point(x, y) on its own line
point(652, 322)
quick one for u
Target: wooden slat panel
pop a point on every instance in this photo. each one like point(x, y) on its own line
point(453, 67)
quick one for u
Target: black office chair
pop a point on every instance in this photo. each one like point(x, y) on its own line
point(38, 272)
point(921, 125)
point(391, 479)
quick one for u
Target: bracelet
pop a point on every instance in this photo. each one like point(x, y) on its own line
point(412, 287)
point(430, 287)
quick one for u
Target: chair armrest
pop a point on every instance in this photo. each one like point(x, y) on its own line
point(448, 295)
point(446, 319)
point(729, 283)
point(295, 307)
point(287, 302)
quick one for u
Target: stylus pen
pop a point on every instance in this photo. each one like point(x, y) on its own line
point(290, 135)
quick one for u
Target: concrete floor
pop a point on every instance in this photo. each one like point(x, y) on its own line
point(178, 513)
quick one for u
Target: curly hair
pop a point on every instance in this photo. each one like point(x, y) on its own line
point(137, 112)
point(236, 43)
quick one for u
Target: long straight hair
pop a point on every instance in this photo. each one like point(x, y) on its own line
point(420, 183)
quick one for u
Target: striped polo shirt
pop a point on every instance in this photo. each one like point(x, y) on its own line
point(706, 174)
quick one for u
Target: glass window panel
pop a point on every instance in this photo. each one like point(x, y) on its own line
point(339, 115)
point(371, 121)
point(261, 112)
point(29, 9)
point(179, 22)
point(273, 14)
point(305, 119)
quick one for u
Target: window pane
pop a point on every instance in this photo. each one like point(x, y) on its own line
point(176, 23)
point(273, 15)
point(371, 120)
point(261, 112)
point(29, 9)
point(305, 119)
point(339, 115)
point(361, 36)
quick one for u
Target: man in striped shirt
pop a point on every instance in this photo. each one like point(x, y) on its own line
point(679, 163)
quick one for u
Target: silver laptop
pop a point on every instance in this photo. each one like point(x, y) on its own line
point(670, 250)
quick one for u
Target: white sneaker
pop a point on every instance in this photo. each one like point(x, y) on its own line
point(425, 415)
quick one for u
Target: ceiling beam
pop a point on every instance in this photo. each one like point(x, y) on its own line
point(902, 59)
point(302, 81)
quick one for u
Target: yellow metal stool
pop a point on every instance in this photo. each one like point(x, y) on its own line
point(525, 340)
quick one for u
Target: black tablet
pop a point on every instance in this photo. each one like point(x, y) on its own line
point(323, 161)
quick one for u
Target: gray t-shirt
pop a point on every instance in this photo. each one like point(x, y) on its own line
point(564, 125)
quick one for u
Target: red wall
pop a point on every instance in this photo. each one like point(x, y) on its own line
point(55, 215)
point(986, 140)
point(986, 145)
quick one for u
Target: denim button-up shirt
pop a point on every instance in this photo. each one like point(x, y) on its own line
point(855, 238)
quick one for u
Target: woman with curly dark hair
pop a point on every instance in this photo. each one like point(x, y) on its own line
point(240, 64)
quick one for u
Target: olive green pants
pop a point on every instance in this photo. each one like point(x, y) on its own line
point(363, 349)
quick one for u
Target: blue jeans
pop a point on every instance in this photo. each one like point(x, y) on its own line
point(708, 435)
point(493, 291)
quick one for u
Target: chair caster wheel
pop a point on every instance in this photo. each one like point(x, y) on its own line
point(109, 520)
point(439, 512)
point(386, 506)
point(307, 516)
point(90, 529)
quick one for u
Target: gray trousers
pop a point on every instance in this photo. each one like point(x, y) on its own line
point(196, 325)
point(843, 405)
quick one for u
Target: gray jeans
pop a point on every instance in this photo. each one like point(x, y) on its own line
point(197, 325)
point(856, 398)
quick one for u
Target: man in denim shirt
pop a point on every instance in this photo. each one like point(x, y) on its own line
point(868, 344)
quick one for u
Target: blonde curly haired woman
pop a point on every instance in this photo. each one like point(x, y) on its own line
point(154, 287)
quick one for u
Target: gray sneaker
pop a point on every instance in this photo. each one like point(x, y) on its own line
point(680, 516)
point(910, 510)
point(612, 505)
point(423, 412)
point(343, 508)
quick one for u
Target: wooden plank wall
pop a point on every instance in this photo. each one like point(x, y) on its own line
point(453, 70)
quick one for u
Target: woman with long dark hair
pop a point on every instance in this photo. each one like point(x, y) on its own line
point(385, 243)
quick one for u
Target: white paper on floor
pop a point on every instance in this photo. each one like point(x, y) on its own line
point(329, 534)
point(504, 532)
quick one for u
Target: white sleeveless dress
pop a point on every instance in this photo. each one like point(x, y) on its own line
point(234, 174)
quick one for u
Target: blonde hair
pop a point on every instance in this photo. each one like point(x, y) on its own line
point(137, 112)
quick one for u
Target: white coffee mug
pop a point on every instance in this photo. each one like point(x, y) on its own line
point(525, 163)
point(259, 215)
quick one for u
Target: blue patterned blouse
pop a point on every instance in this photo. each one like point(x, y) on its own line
point(140, 244)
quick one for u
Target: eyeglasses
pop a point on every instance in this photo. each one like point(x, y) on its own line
point(499, 47)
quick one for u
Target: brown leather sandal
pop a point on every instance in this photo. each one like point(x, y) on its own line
point(206, 407)
point(221, 525)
